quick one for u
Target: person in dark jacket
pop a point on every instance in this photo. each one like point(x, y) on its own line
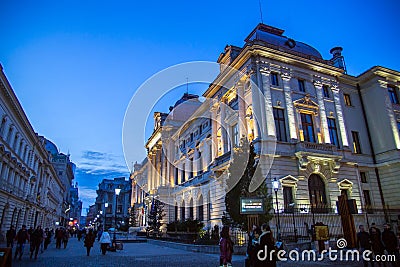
point(376, 241)
point(36, 239)
point(59, 237)
point(364, 243)
point(391, 243)
point(10, 235)
point(266, 244)
point(21, 237)
point(226, 247)
point(47, 240)
point(89, 241)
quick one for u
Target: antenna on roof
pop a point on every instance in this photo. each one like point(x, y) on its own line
point(187, 86)
point(259, 3)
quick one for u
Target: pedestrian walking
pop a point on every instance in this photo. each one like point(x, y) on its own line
point(252, 246)
point(79, 234)
point(226, 247)
point(36, 239)
point(391, 243)
point(21, 237)
point(10, 235)
point(66, 238)
point(89, 240)
point(47, 238)
point(377, 246)
point(266, 243)
point(364, 243)
point(105, 241)
point(59, 237)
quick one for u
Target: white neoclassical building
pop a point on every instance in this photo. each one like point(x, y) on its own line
point(334, 134)
point(31, 192)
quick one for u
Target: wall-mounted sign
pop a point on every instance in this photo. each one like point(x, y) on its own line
point(253, 205)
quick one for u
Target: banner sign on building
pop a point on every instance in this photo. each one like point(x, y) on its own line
point(253, 205)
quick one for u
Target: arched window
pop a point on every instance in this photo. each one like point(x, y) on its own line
point(183, 217)
point(191, 209)
point(316, 187)
point(200, 209)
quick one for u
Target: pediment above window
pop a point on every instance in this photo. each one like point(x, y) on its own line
point(306, 103)
point(289, 180)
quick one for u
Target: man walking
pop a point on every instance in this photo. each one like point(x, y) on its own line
point(10, 235)
point(364, 243)
point(36, 240)
point(391, 243)
point(21, 237)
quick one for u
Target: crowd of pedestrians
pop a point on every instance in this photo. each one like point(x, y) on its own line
point(378, 242)
point(39, 240)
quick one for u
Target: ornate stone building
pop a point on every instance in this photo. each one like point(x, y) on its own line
point(333, 134)
point(31, 192)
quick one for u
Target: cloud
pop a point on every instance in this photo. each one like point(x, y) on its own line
point(99, 163)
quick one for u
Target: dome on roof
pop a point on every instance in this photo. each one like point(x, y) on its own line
point(51, 147)
point(274, 36)
point(185, 98)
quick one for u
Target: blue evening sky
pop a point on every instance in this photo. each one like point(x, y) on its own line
point(75, 65)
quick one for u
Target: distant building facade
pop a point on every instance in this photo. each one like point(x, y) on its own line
point(335, 135)
point(31, 192)
point(76, 205)
point(117, 208)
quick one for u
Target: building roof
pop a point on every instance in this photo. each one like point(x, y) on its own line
point(273, 36)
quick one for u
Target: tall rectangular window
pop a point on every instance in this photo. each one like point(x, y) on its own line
point(393, 95)
point(308, 127)
point(176, 176)
point(333, 134)
point(235, 133)
point(356, 142)
point(347, 100)
point(363, 177)
point(274, 79)
point(367, 198)
point(302, 87)
point(325, 91)
point(280, 125)
point(287, 197)
point(183, 174)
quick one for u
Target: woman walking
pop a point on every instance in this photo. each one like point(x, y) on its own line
point(226, 247)
point(105, 241)
point(89, 240)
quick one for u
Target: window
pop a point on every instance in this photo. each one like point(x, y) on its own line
point(274, 79)
point(183, 174)
point(200, 212)
point(325, 91)
point(333, 134)
point(363, 177)
point(200, 162)
point(280, 125)
point(356, 142)
point(191, 169)
point(176, 212)
point(393, 95)
point(119, 209)
point(176, 176)
point(302, 87)
point(235, 133)
point(308, 127)
point(288, 198)
point(183, 216)
point(191, 212)
point(367, 198)
point(347, 100)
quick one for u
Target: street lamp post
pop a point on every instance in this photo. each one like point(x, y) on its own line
point(117, 191)
point(105, 214)
point(294, 222)
point(275, 186)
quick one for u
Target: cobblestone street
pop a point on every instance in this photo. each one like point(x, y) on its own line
point(137, 254)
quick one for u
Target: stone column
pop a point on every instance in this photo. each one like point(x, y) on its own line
point(255, 99)
point(269, 112)
point(224, 132)
point(262, 101)
point(289, 105)
point(339, 114)
point(242, 110)
point(322, 112)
